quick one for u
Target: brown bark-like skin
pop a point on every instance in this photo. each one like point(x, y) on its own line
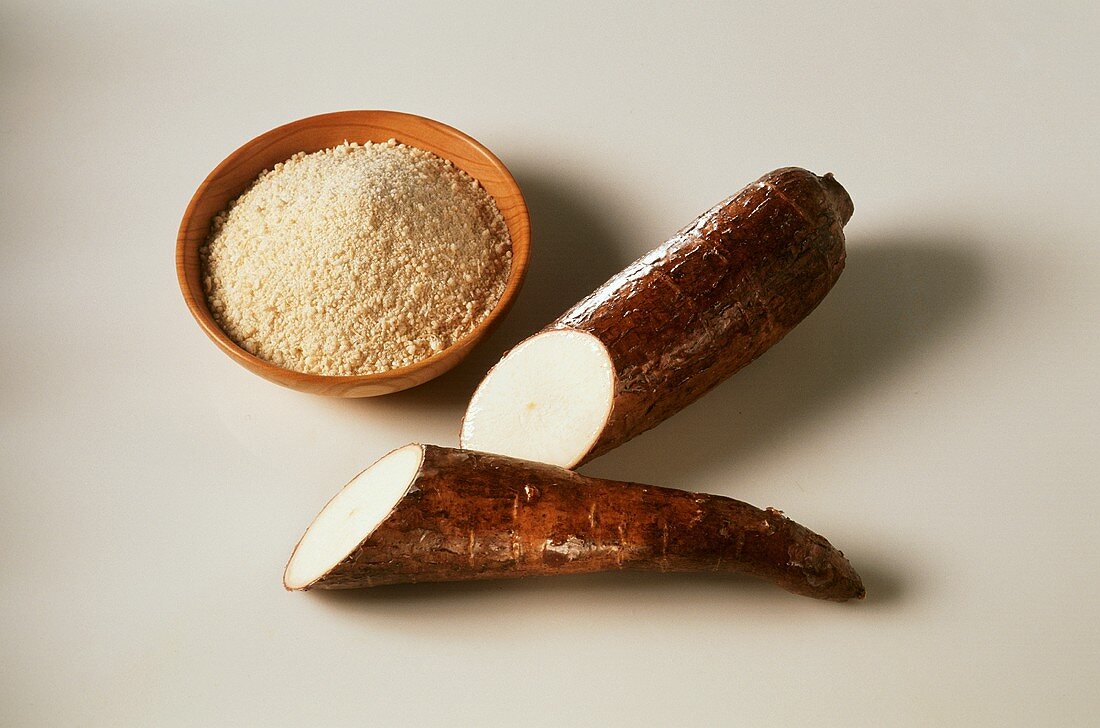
point(471, 515)
point(684, 317)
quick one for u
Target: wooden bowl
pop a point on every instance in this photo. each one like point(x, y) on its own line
point(230, 178)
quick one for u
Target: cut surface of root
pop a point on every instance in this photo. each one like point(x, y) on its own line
point(352, 515)
point(547, 400)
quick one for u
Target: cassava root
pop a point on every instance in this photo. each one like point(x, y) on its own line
point(425, 513)
point(670, 327)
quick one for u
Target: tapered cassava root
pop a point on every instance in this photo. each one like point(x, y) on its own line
point(425, 513)
point(670, 327)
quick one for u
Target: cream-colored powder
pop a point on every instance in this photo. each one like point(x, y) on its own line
point(356, 259)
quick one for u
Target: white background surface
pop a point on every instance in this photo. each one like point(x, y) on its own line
point(936, 418)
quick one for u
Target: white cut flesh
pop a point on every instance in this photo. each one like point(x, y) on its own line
point(352, 515)
point(548, 400)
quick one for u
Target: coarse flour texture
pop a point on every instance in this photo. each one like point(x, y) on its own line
point(355, 260)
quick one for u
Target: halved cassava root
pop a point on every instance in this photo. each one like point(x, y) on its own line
point(428, 513)
point(670, 327)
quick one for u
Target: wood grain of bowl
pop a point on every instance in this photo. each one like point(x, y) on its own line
point(230, 178)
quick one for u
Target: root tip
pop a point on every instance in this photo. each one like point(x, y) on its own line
point(838, 196)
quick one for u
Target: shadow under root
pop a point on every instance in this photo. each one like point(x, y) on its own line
point(895, 302)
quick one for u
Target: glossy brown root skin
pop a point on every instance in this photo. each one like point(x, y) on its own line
point(689, 314)
point(471, 515)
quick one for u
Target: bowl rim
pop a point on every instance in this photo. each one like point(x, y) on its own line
point(196, 300)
